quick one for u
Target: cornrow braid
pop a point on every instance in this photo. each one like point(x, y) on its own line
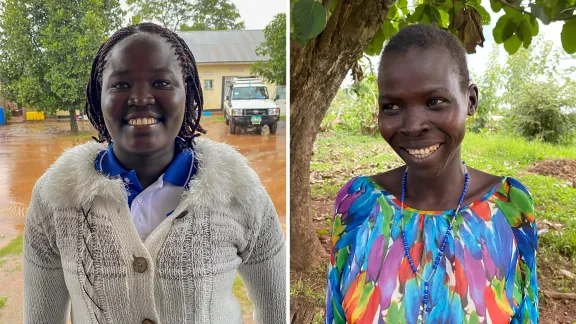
point(194, 100)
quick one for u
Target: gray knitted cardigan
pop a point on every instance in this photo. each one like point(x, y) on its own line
point(81, 247)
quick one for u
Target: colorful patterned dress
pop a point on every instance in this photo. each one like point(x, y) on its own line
point(487, 274)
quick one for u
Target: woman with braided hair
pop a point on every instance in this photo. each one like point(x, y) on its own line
point(151, 223)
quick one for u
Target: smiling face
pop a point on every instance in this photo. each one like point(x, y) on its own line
point(423, 108)
point(143, 94)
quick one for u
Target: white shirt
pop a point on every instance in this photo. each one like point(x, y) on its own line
point(153, 205)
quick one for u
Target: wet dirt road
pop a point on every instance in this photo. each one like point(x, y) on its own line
point(27, 150)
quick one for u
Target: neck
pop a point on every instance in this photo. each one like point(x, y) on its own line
point(148, 167)
point(440, 192)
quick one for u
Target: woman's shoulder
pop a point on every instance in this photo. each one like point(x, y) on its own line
point(356, 200)
point(224, 176)
point(515, 201)
point(380, 182)
point(69, 180)
point(356, 185)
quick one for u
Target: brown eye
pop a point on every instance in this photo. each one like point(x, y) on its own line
point(161, 84)
point(390, 107)
point(121, 85)
point(435, 101)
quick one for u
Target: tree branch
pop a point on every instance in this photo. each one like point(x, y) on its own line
point(504, 3)
point(557, 18)
point(557, 295)
point(326, 35)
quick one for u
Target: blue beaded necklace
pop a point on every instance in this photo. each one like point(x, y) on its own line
point(426, 305)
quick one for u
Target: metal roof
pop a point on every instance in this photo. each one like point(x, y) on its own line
point(224, 46)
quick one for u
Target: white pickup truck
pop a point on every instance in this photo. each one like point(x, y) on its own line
point(247, 104)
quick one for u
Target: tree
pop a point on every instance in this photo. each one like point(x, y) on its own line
point(177, 14)
point(274, 46)
point(48, 47)
point(489, 84)
point(329, 36)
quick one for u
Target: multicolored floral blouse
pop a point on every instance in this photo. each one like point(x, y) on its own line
point(487, 274)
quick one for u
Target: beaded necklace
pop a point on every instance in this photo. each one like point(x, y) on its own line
point(426, 306)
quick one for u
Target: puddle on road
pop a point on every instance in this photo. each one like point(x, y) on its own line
point(27, 150)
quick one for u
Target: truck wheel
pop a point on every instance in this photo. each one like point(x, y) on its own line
point(231, 126)
point(273, 127)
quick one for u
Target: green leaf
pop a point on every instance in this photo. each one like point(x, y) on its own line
point(392, 12)
point(416, 16)
point(509, 29)
point(527, 42)
point(495, 5)
point(534, 25)
point(445, 17)
point(568, 36)
point(499, 28)
point(309, 18)
point(403, 6)
point(524, 31)
point(375, 46)
point(136, 19)
point(388, 29)
point(539, 13)
point(483, 13)
point(433, 14)
point(512, 44)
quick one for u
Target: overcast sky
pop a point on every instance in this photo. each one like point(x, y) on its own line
point(255, 14)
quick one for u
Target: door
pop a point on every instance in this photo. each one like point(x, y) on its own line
point(226, 80)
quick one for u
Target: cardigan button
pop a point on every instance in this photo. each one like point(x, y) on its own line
point(140, 265)
point(147, 321)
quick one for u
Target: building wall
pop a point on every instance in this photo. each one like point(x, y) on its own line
point(216, 72)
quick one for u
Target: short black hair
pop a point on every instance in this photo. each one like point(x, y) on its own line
point(423, 36)
point(194, 100)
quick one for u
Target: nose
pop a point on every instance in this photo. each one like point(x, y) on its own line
point(415, 122)
point(141, 97)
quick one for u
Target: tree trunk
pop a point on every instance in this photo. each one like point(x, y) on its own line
point(73, 122)
point(316, 72)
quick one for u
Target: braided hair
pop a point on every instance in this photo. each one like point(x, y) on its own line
point(194, 101)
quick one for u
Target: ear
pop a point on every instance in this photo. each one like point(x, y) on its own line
point(472, 99)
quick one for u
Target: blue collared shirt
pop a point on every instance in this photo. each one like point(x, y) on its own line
point(157, 201)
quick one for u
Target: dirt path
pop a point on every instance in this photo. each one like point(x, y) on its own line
point(27, 150)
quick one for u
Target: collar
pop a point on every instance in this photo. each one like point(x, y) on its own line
point(72, 180)
point(181, 169)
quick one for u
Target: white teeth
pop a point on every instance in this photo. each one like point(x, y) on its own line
point(142, 121)
point(425, 152)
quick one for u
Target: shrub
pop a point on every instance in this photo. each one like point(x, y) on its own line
point(540, 111)
point(8, 114)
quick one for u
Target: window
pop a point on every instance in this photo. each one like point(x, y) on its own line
point(236, 69)
point(208, 84)
point(250, 93)
point(280, 93)
point(208, 73)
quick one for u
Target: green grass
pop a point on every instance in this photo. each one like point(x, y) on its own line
point(219, 118)
point(3, 301)
point(239, 291)
point(13, 248)
point(80, 136)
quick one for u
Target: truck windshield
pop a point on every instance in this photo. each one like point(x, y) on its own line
point(246, 93)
